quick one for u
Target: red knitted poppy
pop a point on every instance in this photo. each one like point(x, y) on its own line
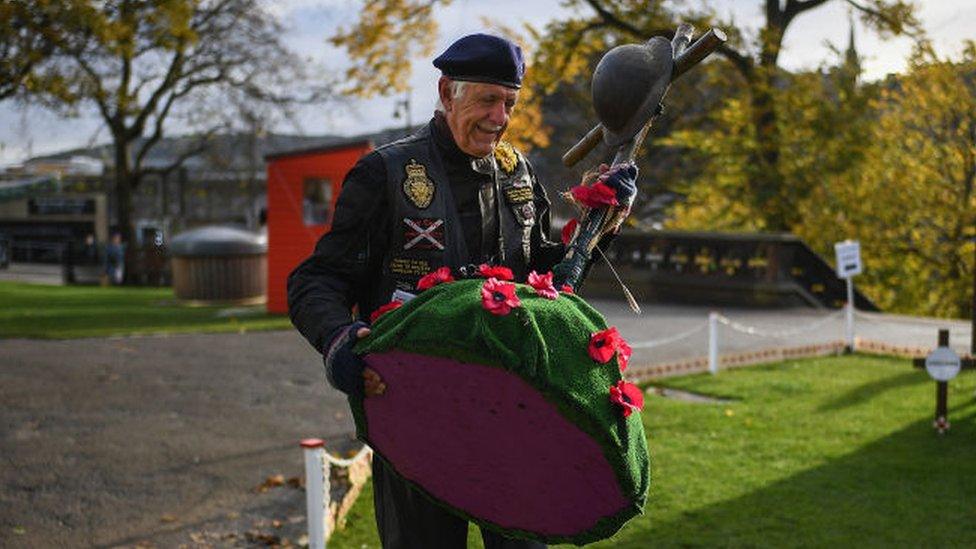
point(604, 344)
point(594, 196)
point(495, 271)
point(628, 396)
point(382, 310)
point(542, 283)
point(498, 297)
point(568, 230)
point(434, 278)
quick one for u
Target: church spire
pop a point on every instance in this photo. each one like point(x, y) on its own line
point(852, 60)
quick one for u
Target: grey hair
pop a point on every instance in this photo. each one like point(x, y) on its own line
point(457, 90)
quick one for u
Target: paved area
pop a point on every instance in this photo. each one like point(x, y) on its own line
point(649, 332)
point(108, 442)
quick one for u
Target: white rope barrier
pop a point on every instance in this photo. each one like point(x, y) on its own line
point(715, 318)
point(338, 462)
point(318, 464)
point(759, 332)
point(664, 341)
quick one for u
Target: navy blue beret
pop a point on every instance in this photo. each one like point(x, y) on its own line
point(483, 58)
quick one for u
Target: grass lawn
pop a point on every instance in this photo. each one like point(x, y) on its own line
point(815, 453)
point(30, 310)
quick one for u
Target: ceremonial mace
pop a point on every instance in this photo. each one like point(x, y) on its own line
point(629, 84)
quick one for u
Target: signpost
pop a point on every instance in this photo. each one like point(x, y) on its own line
point(848, 255)
point(943, 364)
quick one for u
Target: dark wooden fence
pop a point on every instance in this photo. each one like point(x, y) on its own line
point(729, 268)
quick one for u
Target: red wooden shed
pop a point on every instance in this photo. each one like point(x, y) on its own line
point(303, 186)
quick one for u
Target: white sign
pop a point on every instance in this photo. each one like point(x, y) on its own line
point(848, 255)
point(942, 364)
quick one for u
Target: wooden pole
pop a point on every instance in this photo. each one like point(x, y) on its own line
point(941, 400)
point(942, 393)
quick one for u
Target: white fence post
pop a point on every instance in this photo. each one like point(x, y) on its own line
point(316, 491)
point(713, 342)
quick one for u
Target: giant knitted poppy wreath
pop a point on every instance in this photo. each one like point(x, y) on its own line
point(508, 408)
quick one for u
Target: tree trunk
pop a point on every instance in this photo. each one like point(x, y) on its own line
point(767, 176)
point(768, 191)
point(124, 183)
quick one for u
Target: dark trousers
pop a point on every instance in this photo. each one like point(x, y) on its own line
point(406, 519)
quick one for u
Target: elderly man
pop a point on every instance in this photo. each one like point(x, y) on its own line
point(452, 194)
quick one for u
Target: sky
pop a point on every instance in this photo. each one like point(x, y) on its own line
point(26, 131)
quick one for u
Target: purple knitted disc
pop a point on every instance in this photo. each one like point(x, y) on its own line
point(485, 442)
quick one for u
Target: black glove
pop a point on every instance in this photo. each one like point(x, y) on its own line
point(344, 368)
point(623, 179)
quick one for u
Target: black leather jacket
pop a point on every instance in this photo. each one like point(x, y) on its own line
point(460, 210)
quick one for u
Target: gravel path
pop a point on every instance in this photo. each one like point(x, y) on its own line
point(116, 441)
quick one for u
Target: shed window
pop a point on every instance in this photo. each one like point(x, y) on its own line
point(317, 201)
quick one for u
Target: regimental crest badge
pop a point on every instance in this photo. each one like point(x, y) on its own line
point(506, 156)
point(418, 188)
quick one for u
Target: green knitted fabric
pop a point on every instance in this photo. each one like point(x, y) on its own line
point(545, 342)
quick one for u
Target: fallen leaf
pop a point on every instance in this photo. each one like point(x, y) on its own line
point(276, 523)
point(272, 481)
point(20, 530)
point(168, 518)
point(254, 536)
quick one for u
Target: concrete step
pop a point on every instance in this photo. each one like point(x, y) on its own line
point(34, 273)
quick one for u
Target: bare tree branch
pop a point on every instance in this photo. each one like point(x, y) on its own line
point(99, 96)
point(615, 21)
point(894, 24)
point(742, 63)
point(796, 7)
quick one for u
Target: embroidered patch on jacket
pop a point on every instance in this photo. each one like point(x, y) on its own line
point(423, 233)
point(418, 188)
point(518, 194)
point(408, 266)
point(528, 211)
point(506, 156)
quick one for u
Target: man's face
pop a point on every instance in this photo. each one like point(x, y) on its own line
point(479, 117)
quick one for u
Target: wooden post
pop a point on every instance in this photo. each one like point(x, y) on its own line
point(942, 393)
point(941, 422)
